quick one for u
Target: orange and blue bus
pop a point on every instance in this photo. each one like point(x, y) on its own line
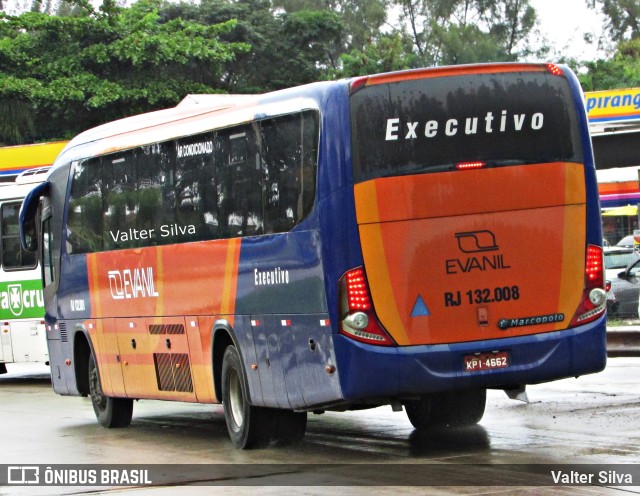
point(408, 239)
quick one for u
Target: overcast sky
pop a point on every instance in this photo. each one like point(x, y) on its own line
point(564, 23)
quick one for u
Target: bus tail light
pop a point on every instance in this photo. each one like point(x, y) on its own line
point(555, 70)
point(594, 298)
point(470, 165)
point(359, 320)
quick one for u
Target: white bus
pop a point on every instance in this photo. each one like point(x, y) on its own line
point(22, 330)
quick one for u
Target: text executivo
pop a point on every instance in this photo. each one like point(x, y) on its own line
point(470, 126)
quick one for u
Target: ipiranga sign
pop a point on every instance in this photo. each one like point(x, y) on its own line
point(613, 105)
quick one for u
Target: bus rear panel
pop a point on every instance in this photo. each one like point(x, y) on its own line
point(473, 195)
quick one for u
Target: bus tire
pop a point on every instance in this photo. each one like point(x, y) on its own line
point(110, 412)
point(290, 427)
point(249, 426)
point(458, 408)
point(419, 412)
point(448, 409)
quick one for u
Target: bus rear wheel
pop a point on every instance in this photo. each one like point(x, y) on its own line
point(110, 412)
point(449, 409)
point(249, 426)
point(290, 427)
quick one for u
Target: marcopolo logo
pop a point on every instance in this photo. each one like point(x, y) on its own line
point(22, 299)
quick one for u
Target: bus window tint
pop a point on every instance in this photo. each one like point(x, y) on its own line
point(429, 125)
point(289, 157)
point(47, 253)
point(190, 191)
point(155, 199)
point(120, 206)
point(85, 213)
point(13, 256)
point(240, 181)
point(240, 199)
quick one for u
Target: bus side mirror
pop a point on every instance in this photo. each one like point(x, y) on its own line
point(28, 234)
point(28, 217)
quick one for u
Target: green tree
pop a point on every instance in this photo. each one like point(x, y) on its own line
point(622, 17)
point(79, 71)
point(621, 71)
point(287, 48)
point(386, 53)
point(16, 122)
point(622, 36)
point(464, 31)
point(362, 19)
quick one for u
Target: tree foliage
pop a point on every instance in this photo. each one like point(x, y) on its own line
point(67, 65)
point(622, 17)
point(621, 71)
point(465, 31)
point(74, 72)
point(622, 68)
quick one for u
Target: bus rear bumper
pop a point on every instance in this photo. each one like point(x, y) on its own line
point(368, 371)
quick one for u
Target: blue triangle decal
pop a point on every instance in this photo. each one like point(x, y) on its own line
point(420, 308)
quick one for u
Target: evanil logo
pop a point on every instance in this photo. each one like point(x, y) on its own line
point(132, 283)
point(21, 299)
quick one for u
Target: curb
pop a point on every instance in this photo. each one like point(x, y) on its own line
point(623, 341)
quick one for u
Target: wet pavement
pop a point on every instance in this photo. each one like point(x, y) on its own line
point(594, 419)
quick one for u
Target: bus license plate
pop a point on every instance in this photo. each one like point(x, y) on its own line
point(486, 361)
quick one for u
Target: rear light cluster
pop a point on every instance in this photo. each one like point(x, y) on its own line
point(358, 319)
point(470, 165)
point(594, 298)
point(555, 70)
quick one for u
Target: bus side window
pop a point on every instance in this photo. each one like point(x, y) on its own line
point(120, 199)
point(47, 255)
point(194, 188)
point(239, 172)
point(13, 256)
point(85, 215)
point(289, 151)
point(154, 198)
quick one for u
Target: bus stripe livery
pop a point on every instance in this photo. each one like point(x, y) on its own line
point(411, 238)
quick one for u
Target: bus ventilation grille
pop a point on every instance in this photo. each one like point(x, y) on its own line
point(63, 333)
point(173, 372)
point(166, 329)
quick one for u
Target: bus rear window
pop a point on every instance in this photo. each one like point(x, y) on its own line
point(430, 125)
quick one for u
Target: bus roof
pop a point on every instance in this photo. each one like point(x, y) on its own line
point(200, 113)
point(22, 184)
point(195, 114)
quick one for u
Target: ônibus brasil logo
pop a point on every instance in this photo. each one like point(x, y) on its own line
point(22, 299)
